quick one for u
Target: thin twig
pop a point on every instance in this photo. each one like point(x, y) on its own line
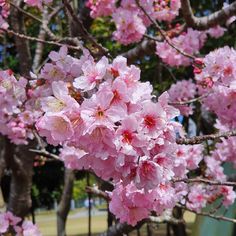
point(216, 217)
point(84, 32)
point(25, 12)
point(44, 23)
point(163, 33)
point(190, 101)
point(77, 48)
point(202, 138)
point(206, 181)
point(45, 153)
point(153, 38)
point(98, 192)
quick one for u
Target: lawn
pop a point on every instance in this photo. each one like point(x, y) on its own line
point(77, 224)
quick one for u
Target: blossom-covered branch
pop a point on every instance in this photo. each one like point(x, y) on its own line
point(147, 47)
point(163, 33)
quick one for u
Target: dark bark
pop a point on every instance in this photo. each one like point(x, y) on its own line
point(149, 231)
point(2, 155)
point(145, 48)
point(2, 167)
point(89, 206)
point(20, 161)
point(22, 45)
point(64, 205)
point(206, 22)
point(180, 228)
point(120, 229)
point(110, 217)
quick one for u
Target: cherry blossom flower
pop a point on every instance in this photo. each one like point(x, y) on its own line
point(93, 73)
point(55, 127)
point(129, 26)
point(101, 7)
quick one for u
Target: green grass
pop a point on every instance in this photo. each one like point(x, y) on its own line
point(79, 226)
point(74, 227)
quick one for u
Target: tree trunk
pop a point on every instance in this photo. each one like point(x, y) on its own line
point(120, 229)
point(64, 205)
point(20, 161)
point(2, 155)
point(180, 228)
point(22, 45)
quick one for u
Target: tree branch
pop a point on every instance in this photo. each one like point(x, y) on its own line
point(148, 47)
point(84, 33)
point(64, 205)
point(163, 33)
point(189, 101)
point(44, 22)
point(45, 153)
point(98, 193)
point(206, 181)
point(40, 46)
point(23, 36)
point(206, 22)
point(216, 217)
point(202, 138)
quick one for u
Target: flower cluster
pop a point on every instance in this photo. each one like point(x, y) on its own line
point(225, 151)
point(216, 32)
point(187, 158)
point(9, 223)
point(183, 91)
point(166, 10)
point(189, 42)
point(199, 195)
point(130, 20)
point(218, 77)
point(108, 121)
point(137, 204)
point(101, 7)
point(15, 120)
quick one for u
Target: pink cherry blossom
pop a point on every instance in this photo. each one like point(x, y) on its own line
point(228, 194)
point(148, 174)
point(93, 73)
point(129, 26)
point(183, 91)
point(55, 127)
point(71, 156)
point(216, 32)
point(4, 224)
point(190, 42)
point(197, 198)
point(101, 7)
